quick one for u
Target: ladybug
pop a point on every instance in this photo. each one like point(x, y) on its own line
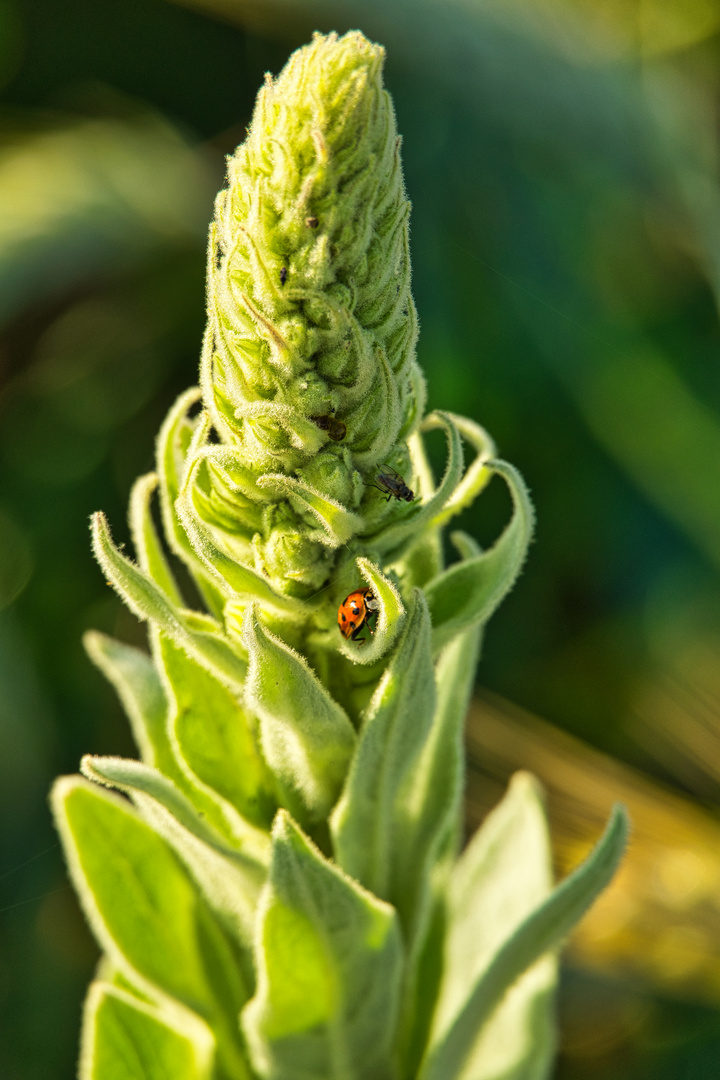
point(355, 613)
point(392, 484)
point(335, 428)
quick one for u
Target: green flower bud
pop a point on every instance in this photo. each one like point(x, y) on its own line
point(309, 358)
point(309, 275)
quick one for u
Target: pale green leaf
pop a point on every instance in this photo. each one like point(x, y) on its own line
point(127, 1039)
point(146, 600)
point(216, 737)
point(171, 450)
point(467, 593)
point(229, 878)
point(329, 965)
point(150, 706)
point(146, 541)
point(390, 619)
point(476, 476)
point(146, 912)
point(424, 559)
point(503, 875)
point(138, 685)
point(455, 1032)
point(413, 525)
point(376, 817)
point(306, 737)
point(432, 842)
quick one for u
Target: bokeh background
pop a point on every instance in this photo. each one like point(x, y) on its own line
point(562, 159)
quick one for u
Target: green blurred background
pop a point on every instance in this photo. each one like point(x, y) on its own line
point(562, 159)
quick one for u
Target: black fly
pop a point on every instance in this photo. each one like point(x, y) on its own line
point(392, 484)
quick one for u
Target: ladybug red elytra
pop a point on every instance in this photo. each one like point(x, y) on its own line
point(393, 485)
point(355, 612)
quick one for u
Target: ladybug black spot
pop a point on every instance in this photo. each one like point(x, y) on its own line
point(343, 618)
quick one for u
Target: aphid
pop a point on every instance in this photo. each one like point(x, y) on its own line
point(283, 274)
point(312, 222)
point(334, 427)
point(355, 613)
point(392, 484)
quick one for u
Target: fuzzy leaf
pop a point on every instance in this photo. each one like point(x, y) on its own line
point(231, 576)
point(306, 737)
point(230, 879)
point(146, 600)
point(390, 538)
point(390, 618)
point(478, 473)
point(424, 559)
point(433, 842)
point(146, 913)
point(376, 818)
point(216, 738)
point(329, 964)
point(146, 541)
point(339, 524)
point(505, 872)
point(145, 699)
point(455, 1032)
point(133, 675)
point(468, 593)
point(172, 445)
point(127, 1039)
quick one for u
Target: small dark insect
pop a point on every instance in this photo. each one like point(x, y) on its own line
point(355, 613)
point(334, 427)
point(283, 274)
point(392, 484)
point(312, 222)
point(218, 257)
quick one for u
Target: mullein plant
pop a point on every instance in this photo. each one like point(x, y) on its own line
point(276, 884)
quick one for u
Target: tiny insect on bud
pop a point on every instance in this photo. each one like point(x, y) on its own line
point(392, 484)
point(283, 274)
point(312, 222)
point(335, 428)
